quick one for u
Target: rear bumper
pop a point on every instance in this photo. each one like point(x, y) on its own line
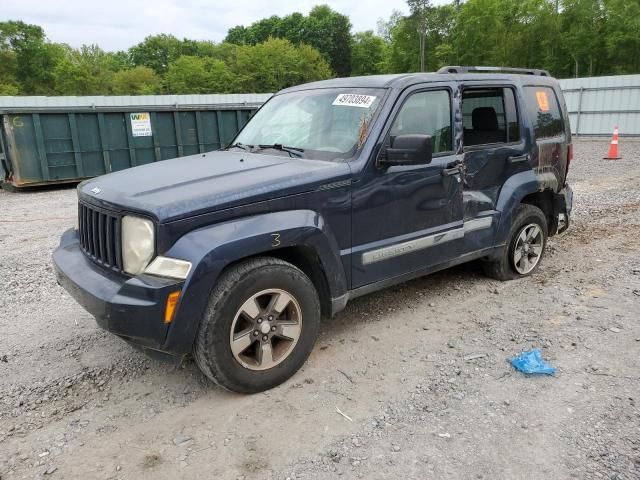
point(132, 308)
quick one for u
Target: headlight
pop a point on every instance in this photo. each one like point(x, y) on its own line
point(138, 244)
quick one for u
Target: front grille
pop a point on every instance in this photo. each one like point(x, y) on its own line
point(99, 232)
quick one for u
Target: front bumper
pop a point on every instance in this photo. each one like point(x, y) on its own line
point(130, 307)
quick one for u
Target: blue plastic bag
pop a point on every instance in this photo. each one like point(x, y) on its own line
point(532, 362)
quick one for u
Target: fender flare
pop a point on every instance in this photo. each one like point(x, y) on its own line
point(513, 191)
point(213, 248)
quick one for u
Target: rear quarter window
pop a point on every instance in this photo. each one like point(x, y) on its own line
point(544, 112)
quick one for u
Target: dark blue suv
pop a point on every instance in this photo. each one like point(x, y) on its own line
point(333, 190)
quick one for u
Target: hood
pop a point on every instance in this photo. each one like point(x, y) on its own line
point(187, 186)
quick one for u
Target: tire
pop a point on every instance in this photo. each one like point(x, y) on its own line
point(505, 267)
point(222, 350)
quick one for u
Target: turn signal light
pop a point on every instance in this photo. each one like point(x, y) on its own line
point(172, 303)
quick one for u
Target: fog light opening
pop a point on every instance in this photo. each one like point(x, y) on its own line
point(172, 303)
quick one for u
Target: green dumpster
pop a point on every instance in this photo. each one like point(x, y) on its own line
point(46, 140)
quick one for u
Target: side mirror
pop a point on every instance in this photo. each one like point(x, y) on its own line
point(412, 149)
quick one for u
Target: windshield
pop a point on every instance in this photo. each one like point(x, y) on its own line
point(325, 124)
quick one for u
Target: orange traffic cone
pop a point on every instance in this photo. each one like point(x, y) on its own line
point(613, 147)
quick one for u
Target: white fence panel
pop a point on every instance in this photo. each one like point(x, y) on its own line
point(597, 104)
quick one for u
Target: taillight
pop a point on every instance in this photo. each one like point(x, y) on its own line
point(569, 155)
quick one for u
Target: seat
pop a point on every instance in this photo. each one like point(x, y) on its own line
point(485, 127)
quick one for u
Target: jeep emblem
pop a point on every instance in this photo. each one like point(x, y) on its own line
point(95, 190)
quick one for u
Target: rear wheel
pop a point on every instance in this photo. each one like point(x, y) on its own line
point(260, 326)
point(527, 239)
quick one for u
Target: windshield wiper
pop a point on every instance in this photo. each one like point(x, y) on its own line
point(244, 147)
point(292, 151)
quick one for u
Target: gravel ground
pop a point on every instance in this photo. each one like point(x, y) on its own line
point(412, 382)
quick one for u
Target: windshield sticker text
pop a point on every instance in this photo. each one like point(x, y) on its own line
point(354, 100)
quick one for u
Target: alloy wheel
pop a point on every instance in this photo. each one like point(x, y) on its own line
point(528, 248)
point(265, 329)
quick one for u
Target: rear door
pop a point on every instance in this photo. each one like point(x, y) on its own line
point(494, 149)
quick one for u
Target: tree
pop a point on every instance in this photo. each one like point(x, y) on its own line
point(9, 89)
point(385, 27)
point(583, 26)
point(276, 64)
point(120, 60)
point(330, 33)
point(312, 64)
point(567, 37)
point(622, 35)
point(480, 32)
point(368, 54)
point(326, 30)
point(404, 53)
point(190, 74)
point(420, 9)
point(136, 81)
point(30, 58)
point(237, 35)
point(8, 68)
point(157, 52)
point(294, 28)
point(87, 71)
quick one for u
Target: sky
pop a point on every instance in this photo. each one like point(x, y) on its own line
point(119, 24)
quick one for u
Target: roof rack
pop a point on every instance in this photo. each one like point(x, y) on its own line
point(466, 69)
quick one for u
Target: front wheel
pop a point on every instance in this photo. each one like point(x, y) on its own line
point(527, 239)
point(260, 326)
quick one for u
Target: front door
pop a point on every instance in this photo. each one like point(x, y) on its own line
point(406, 218)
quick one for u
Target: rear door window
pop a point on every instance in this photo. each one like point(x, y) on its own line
point(544, 112)
point(489, 116)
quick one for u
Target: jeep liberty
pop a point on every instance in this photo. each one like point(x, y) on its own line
point(332, 190)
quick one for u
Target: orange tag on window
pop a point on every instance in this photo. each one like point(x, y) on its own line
point(543, 101)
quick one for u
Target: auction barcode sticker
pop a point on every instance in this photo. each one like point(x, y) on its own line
point(354, 100)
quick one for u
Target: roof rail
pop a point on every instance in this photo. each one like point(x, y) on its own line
point(466, 69)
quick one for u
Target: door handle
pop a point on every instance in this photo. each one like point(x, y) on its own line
point(518, 159)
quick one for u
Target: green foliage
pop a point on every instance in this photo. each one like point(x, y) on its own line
point(324, 29)
point(622, 35)
point(136, 81)
point(567, 37)
point(88, 71)
point(190, 74)
point(30, 58)
point(8, 67)
point(9, 89)
point(265, 67)
point(158, 52)
point(368, 54)
point(276, 64)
